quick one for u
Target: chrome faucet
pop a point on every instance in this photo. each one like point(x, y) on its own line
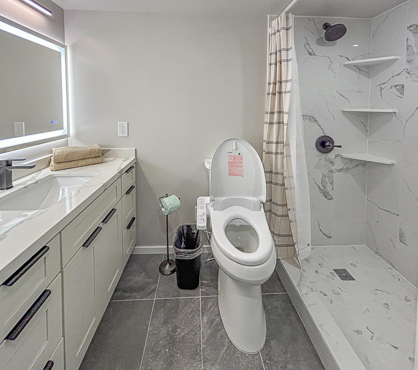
point(6, 167)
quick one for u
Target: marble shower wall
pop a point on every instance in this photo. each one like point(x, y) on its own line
point(351, 202)
point(392, 191)
point(337, 186)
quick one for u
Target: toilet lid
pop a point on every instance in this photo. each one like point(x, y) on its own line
point(237, 172)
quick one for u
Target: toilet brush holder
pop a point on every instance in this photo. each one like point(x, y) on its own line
point(168, 266)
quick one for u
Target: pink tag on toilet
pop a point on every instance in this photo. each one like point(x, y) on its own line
point(235, 165)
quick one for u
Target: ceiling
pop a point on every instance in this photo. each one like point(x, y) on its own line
point(343, 8)
point(227, 7)
point(328, 8)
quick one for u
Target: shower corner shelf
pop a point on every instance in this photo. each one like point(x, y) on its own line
point(368, 158)
point(371, 61)
point(370, 110)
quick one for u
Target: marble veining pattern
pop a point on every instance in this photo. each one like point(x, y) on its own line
point(392, 207)
point(376, 312)
point(353, 202)
point(337, 186)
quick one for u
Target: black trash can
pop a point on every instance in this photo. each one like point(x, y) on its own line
point(187, 251)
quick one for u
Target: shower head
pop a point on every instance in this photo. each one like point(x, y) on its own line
point(335, 32)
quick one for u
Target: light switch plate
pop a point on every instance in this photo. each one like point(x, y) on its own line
point(19, 128)
point(123, 129)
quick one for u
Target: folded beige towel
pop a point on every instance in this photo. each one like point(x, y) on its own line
point(75, 153)
point(72, 164)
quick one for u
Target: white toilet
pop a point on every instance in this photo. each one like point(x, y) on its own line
point(241, 241)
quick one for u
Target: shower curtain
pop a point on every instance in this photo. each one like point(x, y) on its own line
point(288, 205)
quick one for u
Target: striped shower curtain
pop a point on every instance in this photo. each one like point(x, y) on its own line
point(280, 205)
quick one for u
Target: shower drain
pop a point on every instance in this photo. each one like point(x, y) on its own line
point(343, 274)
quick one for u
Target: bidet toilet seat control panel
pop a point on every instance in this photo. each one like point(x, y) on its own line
point(201, 212)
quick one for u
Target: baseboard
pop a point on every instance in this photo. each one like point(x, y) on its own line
point(161, 249)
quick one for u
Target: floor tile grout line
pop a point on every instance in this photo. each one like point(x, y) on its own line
point(262, 361)
point(160, 298)
point(201, 332)
point(149, 323)
point(196, 296)
point(201, 323)
point(132, 300)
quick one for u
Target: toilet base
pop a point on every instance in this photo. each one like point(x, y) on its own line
point(242, 313)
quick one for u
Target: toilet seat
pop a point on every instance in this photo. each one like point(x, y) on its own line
point(238, 191)
point(257, 220)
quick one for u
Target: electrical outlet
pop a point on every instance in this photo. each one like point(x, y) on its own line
point(123, 129)
point(19, 128)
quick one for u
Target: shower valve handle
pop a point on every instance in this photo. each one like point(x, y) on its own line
point(325, 144)
point(329, 145)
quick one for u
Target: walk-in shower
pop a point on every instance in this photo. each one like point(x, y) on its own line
point(361, 92)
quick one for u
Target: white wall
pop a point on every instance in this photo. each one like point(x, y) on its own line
point(51, 26)
point(184, 82)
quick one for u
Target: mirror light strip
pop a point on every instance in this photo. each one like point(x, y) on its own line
point(37, 6)
point(5, 143)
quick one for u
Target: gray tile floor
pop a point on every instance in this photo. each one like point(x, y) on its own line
point(151, 324)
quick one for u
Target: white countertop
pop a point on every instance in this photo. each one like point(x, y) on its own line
point(23, 236)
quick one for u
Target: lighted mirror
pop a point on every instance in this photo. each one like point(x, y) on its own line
point(33, 90)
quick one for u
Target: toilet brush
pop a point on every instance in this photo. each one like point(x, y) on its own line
point(169, 204)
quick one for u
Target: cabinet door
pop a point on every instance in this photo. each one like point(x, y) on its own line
point(107, 260)
point(33, 340)
point(79, 310)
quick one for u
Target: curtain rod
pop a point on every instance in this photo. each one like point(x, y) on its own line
point(290, 6)
point(271, 17)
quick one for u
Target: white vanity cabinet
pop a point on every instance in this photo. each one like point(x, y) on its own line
point(91, 275)
point(128, 218)
point(51, 306)
point(31, 311)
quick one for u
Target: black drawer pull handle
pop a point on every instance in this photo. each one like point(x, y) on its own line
point(27, 317)
point(92, 237)
point(26, 267)
point(49, 365)
point(129, 191)
point(109, 216)
point(131, 223)
point(129, 169)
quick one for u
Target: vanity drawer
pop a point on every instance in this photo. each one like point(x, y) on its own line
point(56, 362)
point(128, 205)
point(22, 288)
point(35, 344)
point(82, 227)
point(128, 240)
point(128, 178)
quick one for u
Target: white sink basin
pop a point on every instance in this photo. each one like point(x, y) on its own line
point(42, 194)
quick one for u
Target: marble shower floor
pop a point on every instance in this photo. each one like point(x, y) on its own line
point(376, 313)
point(151, 324)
